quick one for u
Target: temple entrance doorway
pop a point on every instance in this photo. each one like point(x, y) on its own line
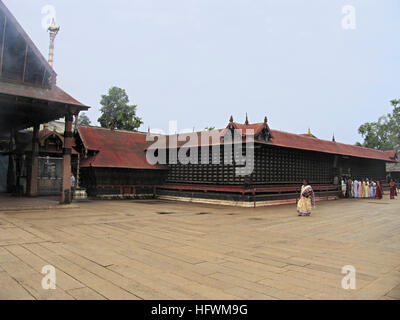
point(50, 177)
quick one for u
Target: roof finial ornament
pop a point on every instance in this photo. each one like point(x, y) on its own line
point(148, 130)
point(333, 138)
point(265, 120)
point(231, 119)
point(247, 120)
point(53, 30)
point(309, 131)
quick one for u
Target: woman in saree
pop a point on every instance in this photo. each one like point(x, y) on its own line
point(359, 189)
point(372, 190)
point(393, 191)
point(379, 190)
point(355, 188)
point(366, 189)
point(344, 188)
point(307, 200)
point(350, 193)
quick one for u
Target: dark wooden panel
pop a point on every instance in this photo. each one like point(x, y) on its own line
point(273, 165)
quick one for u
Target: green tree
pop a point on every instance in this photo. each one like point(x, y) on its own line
point(209, 128)
point(383, 134)
point(83, 120)
point(116, 111)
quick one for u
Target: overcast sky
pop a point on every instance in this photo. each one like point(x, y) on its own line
point(200, 61)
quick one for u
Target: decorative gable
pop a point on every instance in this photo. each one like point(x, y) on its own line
point(260, 131)
point(264, 135)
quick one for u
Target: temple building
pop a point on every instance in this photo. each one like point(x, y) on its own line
point(393, 170)
point(116, 163)
point(29, 97)
point(242, 164)
point(113, 164)
point(50, 158)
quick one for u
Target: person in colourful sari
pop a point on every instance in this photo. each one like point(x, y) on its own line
point(393, 191)
point(372, 190)
point(359, 189)
point(379, 190)
point(307, 200)
point(364, 189)
point(368, 189)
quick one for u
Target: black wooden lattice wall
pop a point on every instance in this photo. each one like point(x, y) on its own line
point(275, 165)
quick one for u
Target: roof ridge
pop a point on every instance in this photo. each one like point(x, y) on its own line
point(335, 142)
point(115, 130)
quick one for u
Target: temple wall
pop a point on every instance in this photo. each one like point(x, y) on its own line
point(272, 165)
point(114, 181)
point(3, 173)
point(276, 165)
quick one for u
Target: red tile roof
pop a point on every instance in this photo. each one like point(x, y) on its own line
point(256, 127)
point(312, 143)
point(124, 149)
point(116, 149)
point(294, 141)
point(298, 141)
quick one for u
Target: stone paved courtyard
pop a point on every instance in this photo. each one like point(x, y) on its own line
point(154, 249)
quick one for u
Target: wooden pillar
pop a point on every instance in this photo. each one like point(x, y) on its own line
point(34, 167)
point(11, 169)
point(67, 151)
point(78, 166)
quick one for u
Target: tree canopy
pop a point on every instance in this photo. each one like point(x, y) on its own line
point(117, 112)
point(383, 134)
point(83, 120)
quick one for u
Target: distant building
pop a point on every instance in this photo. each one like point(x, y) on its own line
point(114, 162)
point(30, 97)
point(393, 170)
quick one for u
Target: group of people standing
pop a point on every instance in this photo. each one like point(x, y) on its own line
point(363, 188)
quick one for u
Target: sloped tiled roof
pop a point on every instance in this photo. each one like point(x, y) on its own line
point(124, 149)
point(298, 141)
point(116, 149)
point(293, 141)
point(55, 94)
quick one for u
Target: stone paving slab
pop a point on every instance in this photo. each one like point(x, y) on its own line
point(9, 203)
point(153, 249)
